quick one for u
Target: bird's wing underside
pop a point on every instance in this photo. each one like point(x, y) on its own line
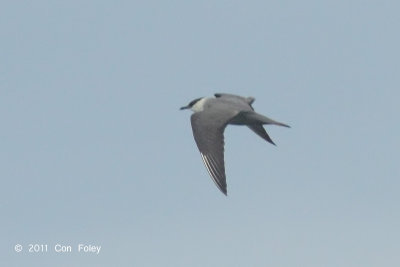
point(208, 131)
point(260, 131)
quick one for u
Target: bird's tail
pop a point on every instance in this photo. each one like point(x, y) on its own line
point(256, 118)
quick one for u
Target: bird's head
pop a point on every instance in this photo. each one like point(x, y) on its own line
point(195, 105)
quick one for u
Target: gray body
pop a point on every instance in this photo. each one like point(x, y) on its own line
point(211, 116)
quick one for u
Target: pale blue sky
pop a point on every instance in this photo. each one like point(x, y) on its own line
point(94, 149)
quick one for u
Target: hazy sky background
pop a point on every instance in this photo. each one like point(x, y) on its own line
point(94, 149)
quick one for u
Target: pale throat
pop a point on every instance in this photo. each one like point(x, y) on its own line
point(199, 106)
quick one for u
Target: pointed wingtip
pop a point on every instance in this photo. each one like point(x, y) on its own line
point(223, 189)
point(269, 140)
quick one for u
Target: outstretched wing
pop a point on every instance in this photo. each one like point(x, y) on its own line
point(260, 131)
point(208, 131)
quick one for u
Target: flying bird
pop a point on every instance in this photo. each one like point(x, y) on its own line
point(211, 116)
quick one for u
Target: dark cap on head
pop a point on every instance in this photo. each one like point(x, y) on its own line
point(191, 103)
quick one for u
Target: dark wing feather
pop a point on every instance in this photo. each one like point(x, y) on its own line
point(208, 133)
point(259, 129)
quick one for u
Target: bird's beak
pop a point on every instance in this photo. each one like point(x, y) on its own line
point(185, 107)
